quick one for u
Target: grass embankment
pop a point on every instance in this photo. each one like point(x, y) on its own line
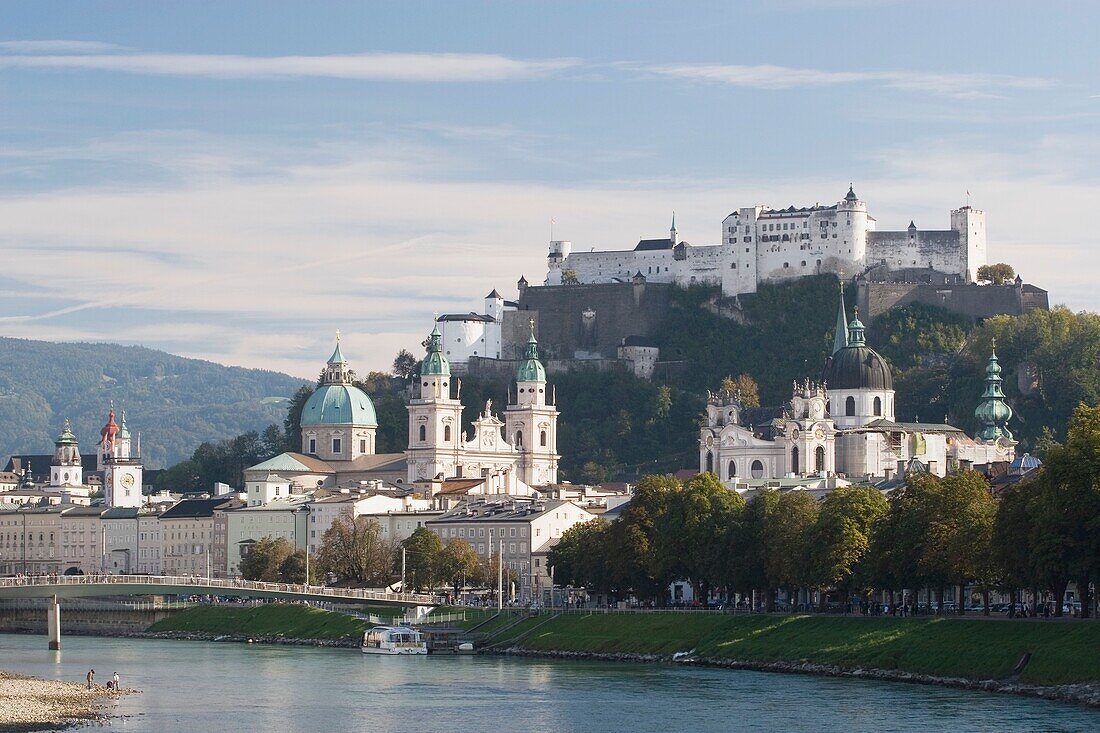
point(1062, 653)
point(291, 621)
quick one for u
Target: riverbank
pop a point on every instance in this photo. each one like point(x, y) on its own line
point(30, 703)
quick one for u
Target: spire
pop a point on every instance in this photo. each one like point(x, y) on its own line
point(531, 370)
point(993, 412)
point(856, 335)
point(66, 437)
point(336, 369)
point(840, 337)
point(672, 231)
point(337, 355)
point(434, 362)
point(673, 228)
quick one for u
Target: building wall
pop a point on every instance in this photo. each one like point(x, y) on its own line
point(82, 543)
point(463, 339)
point(971, 300)
point(121, 536)
point(256, 523)
point(185, 544)
point(149, 545)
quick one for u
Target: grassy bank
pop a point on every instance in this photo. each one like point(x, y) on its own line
point(276, 619)
point(1061, 652)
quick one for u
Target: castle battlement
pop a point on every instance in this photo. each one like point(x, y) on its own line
point(761, 244)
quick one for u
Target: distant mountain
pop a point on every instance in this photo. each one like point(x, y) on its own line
point(175, 403)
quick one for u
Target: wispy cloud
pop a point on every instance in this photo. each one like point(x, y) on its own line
point(410, 67)
point(768, 76)
point(57, 46)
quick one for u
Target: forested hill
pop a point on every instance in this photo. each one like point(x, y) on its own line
point(175, 403)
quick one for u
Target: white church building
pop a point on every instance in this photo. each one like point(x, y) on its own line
point(759, 244)
point(845, 426)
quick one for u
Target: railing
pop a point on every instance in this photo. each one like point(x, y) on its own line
point(84, 604)
point(232, 584)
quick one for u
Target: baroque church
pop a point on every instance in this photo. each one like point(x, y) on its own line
point(844, 425)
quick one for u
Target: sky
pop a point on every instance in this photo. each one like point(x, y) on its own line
point(235, 181)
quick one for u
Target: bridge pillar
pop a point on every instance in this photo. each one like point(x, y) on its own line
point(53, 624)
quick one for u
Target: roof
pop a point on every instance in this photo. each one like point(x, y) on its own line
point(339, 404)
point(647, 245)
point(121, 512)
point(912, 427)
point(379, 462)
point(194, 508)
point(293, 462)
point(40, 464)
point(460, 485)
point(857, 366)
point(84, 511)
point(639, 341)
point(494, 295)
point(471, 316)
point(510, 510)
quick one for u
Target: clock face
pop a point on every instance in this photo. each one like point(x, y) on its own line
point(794, 434)
point(127, 480)
point(819, 434)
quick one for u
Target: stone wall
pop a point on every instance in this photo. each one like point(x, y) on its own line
point(975, 301)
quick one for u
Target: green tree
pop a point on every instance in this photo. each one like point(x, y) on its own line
point(422, 559)
point(580, 557)
point(458, 564)
point(265, 558)
point(633, 542)
point(293, 569)
point(745, 386)
point(997, 274)
point(1013, 531)
point(786, 538)
point(840, 539)
point(405, 364)
point(355, 550)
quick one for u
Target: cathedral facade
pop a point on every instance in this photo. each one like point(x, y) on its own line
point(845, 425)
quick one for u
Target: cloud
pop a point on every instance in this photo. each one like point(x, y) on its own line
point(768, 76)
point(409, 67)
point(57, 46)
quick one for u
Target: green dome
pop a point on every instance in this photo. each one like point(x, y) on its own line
point(339, 404)
point(435, 364)
point(531, 370)
point(66, 437)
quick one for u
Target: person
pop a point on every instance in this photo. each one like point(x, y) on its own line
point(115, 679)
point(90, 677)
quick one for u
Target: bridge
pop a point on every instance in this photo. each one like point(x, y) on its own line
point(57, 587)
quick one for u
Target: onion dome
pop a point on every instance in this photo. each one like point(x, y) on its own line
point(66, 451)
point(110, 430)
point(434, 363)
point(857, 365)
point(851, 196)
point(993, 412)
point(531, 369)
point(66, 437)
point(338, 401)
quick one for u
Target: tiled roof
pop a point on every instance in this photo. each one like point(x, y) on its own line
point(292, 462)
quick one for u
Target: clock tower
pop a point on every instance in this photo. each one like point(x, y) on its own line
point(122, 470)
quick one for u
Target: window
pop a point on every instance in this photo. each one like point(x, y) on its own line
point(786, 264)
point(878, 406)
point(363, 446)
point(850, 406)
point(710, 462)
point(794, 459)
point(446, 433)
point(423, 433)
point(336, 446)
point(732, 469)
point(312, 445)
point(819, 459)
point(757, 469)
point(542, 438)
point(519, 440)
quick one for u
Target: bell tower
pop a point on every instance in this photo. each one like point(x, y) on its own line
point(435, 418)
point(66, 468)
point(122, 469)
point(531, 422)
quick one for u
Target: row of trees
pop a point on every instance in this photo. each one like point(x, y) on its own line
point(931, 534)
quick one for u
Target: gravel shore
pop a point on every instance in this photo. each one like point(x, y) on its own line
point(30, 703)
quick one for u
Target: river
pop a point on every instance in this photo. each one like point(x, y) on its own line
point(205, 686)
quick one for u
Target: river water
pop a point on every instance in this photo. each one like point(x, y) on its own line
point(205, 686)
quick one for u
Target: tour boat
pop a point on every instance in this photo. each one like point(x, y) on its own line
point(393, 640)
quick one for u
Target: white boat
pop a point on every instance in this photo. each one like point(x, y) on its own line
point(393, 640)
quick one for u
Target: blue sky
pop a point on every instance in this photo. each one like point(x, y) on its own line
point(236, 181)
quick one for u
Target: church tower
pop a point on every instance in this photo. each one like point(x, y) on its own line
point(435, 418)
point(993, 412)
point(66, 468)
point(531, 423)
point(122, 470)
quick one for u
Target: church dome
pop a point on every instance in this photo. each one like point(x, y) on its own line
point(857, 365)
point(339, 404)
point(434, 363)
point(531, 369)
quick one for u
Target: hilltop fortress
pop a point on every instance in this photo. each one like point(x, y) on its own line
point(767, 245)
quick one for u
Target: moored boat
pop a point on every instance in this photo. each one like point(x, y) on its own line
point(393, 640)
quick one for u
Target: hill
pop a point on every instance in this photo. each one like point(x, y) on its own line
point(176, 403)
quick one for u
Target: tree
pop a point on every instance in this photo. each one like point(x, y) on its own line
point(840, 539)
point(355, 550)
point(422, 550)
point(998, 274)
point(273, 441)
point(293, 569)
point(745, 386)
point(265, 559)
point(569, 277)
point(292, 423)
point(184, 477)
point(458, 563)
point(786, 535)
point(1013, 530)
point(405, 364)
point(634, 561)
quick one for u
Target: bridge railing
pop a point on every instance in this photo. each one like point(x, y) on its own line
point(200, 583)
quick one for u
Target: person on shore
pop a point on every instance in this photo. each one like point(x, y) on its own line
point(115, 679)
point(90, 677)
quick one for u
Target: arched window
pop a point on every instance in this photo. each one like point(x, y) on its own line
point(446, 433)
point(710, 462)
point(794, 459)
point(819, 459)
point(519, 440)
point(850, 406)
point(757, 469)
point(542, 438)
point(423, 433)
point(878, 405)
point(732, 469)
